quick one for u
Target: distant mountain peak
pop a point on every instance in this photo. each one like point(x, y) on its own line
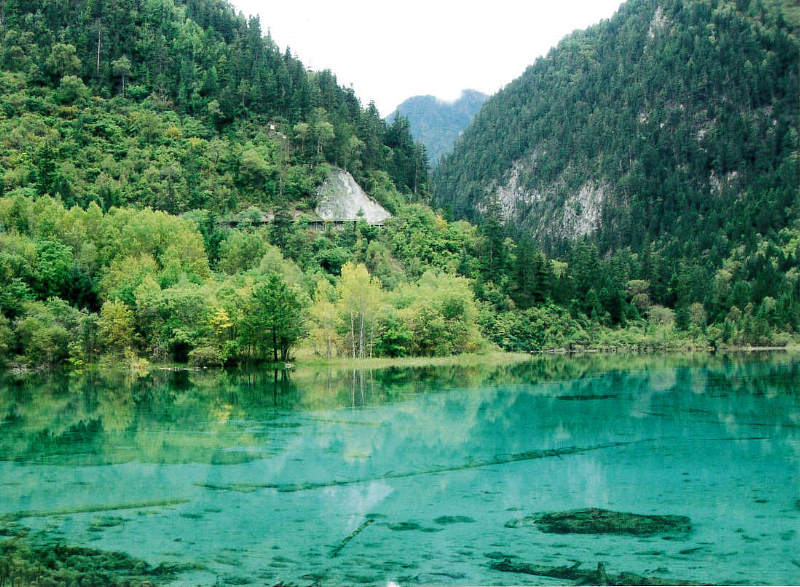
point(436, 122)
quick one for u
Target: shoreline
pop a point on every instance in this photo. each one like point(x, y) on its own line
point(506, 358)
point(649, 350)
point(467, 359)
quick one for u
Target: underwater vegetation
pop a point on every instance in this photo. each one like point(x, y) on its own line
point(600, 521)
point(562, 470)
point(35, 559)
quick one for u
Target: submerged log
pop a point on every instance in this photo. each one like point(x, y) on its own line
point(474, 464)
point(335, 552)
point(600, 521)
point(580, 576)
point(87, 509)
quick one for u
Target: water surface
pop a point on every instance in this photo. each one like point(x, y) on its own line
point(410, 475)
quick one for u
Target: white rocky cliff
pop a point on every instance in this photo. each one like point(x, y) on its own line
point(551, 211)
point(341, 199)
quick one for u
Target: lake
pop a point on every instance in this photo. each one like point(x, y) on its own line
point(415, 475)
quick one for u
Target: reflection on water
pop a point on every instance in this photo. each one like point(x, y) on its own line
point(411, 475)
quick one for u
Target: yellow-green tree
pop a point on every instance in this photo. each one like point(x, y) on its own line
point(358, 306)
point(221, 324)
point(324, 319)
point(115, 326)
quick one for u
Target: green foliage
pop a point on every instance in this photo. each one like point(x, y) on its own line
point(241, 250)
point(686, 113)
point(534, 329)
point(395, 339)
point(275, 318)
point(6, 337)
point(62, 60)
point(207, 356)
point(421, 240)
point(45, 330)
point(440, 314)
point(155, 193)
point(53, 267)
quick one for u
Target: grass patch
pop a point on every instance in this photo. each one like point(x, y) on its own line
point(495, 358)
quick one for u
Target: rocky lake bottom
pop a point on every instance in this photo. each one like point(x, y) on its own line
point(661, 468)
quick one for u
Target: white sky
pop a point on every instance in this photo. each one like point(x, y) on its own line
point(390, 51)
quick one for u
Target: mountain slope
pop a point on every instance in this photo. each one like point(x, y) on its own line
point(675, 121)
point(177, 104)
point(437, 124)
point(114, 112)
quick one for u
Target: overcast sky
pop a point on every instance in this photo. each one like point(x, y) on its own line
point(390, 51)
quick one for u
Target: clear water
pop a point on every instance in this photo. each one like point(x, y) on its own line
point(259, 480)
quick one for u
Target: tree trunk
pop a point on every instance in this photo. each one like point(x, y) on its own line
point(97, 70)
point(352, 334)
point(361, 338)
point(371, 337)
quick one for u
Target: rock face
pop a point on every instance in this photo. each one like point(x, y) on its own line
point(599, 521)
point(552, 212)
point(341, 199)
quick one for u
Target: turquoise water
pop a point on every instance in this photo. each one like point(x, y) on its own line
point(410, 475)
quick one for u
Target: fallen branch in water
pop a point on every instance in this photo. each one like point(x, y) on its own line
point(476, 464)
point(583, 576)
point(600, 521)
point(87, 509)
point(335, 552)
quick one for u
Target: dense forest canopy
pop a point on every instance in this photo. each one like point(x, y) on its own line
point(669, 134)
point(209, 97)
point(687, 111)
point(145, 143)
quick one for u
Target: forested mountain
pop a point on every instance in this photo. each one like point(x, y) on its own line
point(674, 117)
point(160, 160)
point(178, 105)
point(436, 123)
point(666, 136)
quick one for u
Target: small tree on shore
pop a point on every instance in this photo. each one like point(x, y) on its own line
point(360, 300)
point(275, 321)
